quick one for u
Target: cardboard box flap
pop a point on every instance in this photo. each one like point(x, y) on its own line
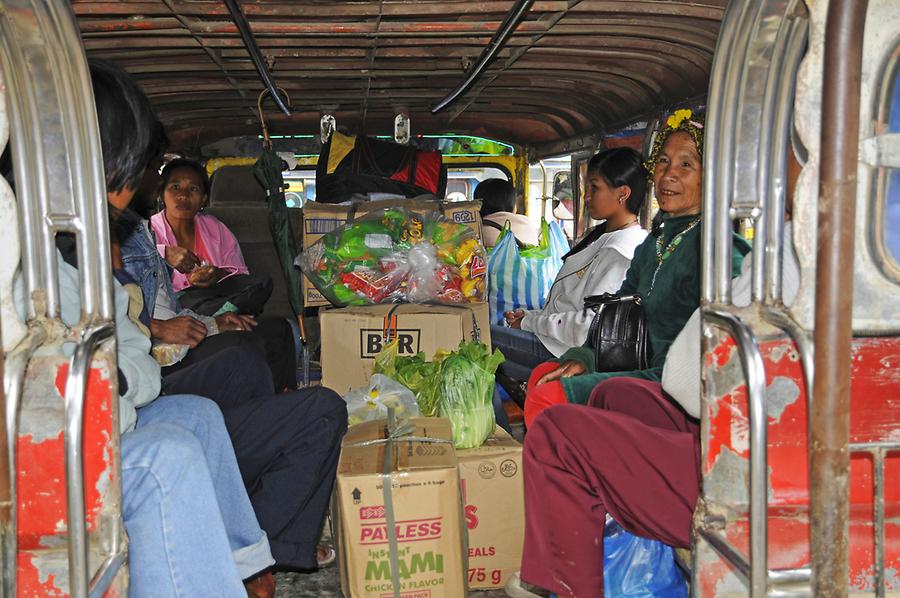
point(383, 309)
point(498, 444)
point(363, 454)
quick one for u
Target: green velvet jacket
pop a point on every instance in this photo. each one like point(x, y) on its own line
point(675, 296)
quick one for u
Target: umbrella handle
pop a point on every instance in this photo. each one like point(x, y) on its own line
point(262, 119)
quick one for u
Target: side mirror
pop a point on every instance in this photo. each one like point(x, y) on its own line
point(563, 206)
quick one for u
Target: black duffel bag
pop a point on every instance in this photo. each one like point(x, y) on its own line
point(618, 332)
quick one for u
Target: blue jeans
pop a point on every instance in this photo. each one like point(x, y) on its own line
point(523, 350)
point(191, 528)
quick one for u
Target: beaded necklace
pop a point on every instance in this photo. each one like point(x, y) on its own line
point(663, 255)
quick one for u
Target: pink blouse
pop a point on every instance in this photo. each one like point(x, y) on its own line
point(221, 246)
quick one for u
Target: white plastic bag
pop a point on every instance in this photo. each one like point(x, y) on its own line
point(371, 402)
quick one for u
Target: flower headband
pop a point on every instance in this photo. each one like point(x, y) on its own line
point(680, 120)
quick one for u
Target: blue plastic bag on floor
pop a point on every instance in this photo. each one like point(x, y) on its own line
point(635, 567)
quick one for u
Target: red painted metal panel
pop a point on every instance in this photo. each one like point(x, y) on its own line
point(42, 562)
point(875, 416)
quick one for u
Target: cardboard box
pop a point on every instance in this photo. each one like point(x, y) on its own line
point(494, 498)
point(352, 336)
point(319, 219)
point(428, 522)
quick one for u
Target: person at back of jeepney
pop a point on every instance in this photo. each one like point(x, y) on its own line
point(631, 455)
point(498, 206)
point(207, 264)
point(190, 242)
point(665, 271)
point(617, 184)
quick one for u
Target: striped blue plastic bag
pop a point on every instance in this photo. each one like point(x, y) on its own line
point(521, 279)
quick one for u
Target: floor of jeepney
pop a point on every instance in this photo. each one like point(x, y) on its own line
point(326, 584)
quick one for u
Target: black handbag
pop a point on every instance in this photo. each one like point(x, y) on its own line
point(618, 332)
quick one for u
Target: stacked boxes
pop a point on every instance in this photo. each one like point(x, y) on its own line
point(445, 539)
point(422, 499)
point(493, 494)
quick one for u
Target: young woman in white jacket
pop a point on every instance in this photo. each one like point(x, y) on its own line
point(617, 184)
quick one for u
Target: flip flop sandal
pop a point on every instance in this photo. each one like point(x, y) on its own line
point(326, 559)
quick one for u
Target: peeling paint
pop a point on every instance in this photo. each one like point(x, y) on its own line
point(43, 407)
point(740, 431)
point(53, 569)
point(781, 393)
point(731, 585)
point(864, 581)
point(727, 482)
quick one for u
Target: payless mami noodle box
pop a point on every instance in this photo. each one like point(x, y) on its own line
point(427, 517)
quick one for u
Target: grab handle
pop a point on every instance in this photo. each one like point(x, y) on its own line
point(75, 393)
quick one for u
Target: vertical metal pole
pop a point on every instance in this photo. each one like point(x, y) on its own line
point(878, 468)
point(830, 411)
point(7, 529)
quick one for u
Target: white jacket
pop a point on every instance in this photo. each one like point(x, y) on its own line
point(598, 268)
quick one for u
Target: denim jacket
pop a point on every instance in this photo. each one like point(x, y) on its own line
point(142, 263)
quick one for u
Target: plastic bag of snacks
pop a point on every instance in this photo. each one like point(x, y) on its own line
point(395, 255)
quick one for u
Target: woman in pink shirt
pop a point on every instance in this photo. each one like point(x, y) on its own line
point(208, 267)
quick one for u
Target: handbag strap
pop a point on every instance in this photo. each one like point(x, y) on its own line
point(595, 301)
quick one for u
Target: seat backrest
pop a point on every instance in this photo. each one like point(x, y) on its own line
point(239, 201)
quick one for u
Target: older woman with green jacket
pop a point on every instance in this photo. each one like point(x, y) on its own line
point(665, 271)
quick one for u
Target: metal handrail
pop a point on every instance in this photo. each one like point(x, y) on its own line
point(106, 574)
point(774, 141)
point(829, 417)
point(780, 317)
point(15, 365)
point(797, 36)
point(755, 374)
point(721, 227)
point(515, 16)
point(775, 578)
point(878, 450)
point(76, 391)
point(60, 187)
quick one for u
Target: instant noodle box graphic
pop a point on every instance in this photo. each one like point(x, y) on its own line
point(411, 534)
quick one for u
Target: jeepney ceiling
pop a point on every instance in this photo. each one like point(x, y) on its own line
point(570, 69)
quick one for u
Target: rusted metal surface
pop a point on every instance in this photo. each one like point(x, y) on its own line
point(43, 569)
point(569, 69)
point(7, 529)
point(875, 419)
point(830, 413)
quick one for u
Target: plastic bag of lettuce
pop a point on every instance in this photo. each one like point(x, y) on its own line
point(457, 385)
point(466, 392)
point(416, 374)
